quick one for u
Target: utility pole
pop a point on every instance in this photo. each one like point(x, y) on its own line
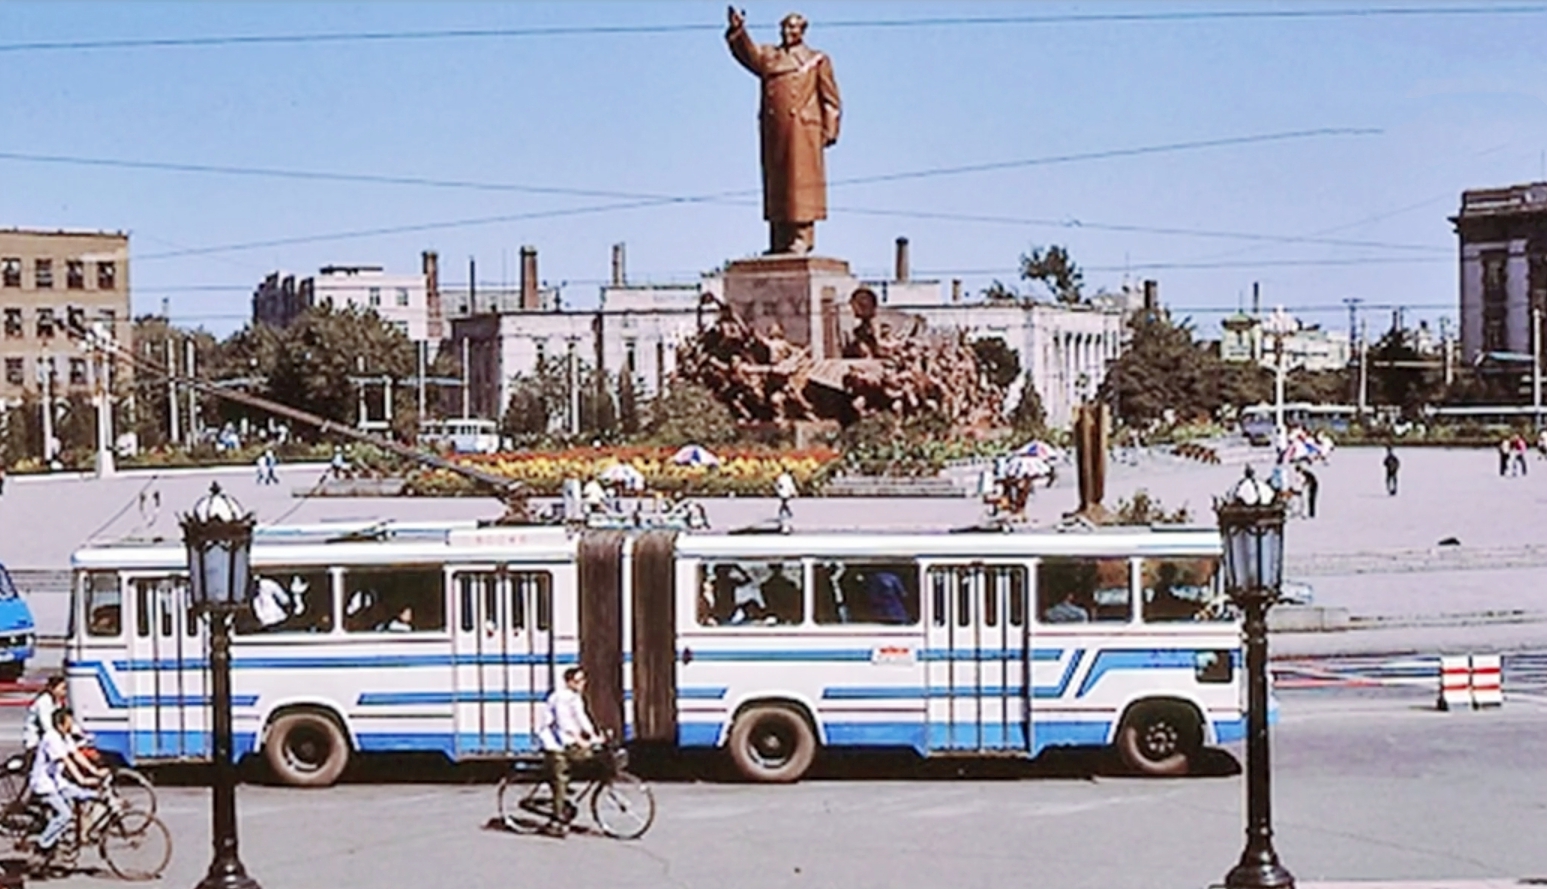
point(360, 390)
point(193, 394)
point(466, 382)
point(101, 363)
point(46, 380)
point(1364, 371)
point(574, 393)
point(419, 353)
point(174, 426)
point(1536, 365)
point(1450, 370)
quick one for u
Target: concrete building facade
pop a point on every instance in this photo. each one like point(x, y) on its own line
point(411, 303)
point(47, 281)
point(1502, 239)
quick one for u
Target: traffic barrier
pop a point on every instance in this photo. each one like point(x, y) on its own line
point(1487, 681)
point(1455, 682)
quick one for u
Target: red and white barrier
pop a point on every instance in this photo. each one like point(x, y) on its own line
point(1471, 681)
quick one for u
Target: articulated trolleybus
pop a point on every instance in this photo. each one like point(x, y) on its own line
point(449, 637)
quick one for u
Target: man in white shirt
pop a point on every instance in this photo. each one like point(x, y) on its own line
point(568, 736)
point(59, 773)
point(40, 716)
point(785, 490)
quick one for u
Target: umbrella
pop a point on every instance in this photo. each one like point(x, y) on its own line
point(1026, 467)
point(624, 474)
point(1039, 449)
point(695, 455)
point(1303, 449)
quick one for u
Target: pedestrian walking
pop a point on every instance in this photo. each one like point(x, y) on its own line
point(1517, 447)
point(1311, 487)
point(339, 464)
point(1503, 456)
point(1393, 465)
point(2, 478)
point(270, 467)
point(785, 490)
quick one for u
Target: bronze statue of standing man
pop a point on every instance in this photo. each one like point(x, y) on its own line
point(798, 118)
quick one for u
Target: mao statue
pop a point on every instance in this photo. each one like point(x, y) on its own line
point(798, 118)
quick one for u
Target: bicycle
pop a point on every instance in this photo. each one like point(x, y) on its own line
point(136, 845)
point(620, 803)
point(132, 786)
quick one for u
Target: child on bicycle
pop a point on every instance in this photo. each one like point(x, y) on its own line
point(568, 737)
point(61, 777)
point(40, 715)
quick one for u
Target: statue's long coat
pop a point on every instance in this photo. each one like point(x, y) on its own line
point(798, 118)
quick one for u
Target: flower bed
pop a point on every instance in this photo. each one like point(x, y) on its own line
point(742, 471)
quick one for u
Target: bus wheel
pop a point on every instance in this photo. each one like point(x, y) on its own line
point(1159, 739)
point(12, 670)
point(306, 749)
point(772, 745)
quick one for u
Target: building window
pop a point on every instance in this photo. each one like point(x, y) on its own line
point(43, 274)
point(45, 323)
point(630, 348)
point(75, 318)
point(542, 353)
point(13, 371)
point(109, 320)
point(402, 296)
point(375, 297)
point(1495, 301)
point(75, 274)
point(107, 276)
point(401, 327)
point(10, 271)
point(13, 328)
point(77, 371)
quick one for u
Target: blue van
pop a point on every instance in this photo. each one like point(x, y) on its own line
point(17, 631)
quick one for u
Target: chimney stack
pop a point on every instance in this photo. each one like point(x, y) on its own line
point(902, 260)
point(619, 268)
point(956, 290)
point(1256, 301)
point(1151, 295)
point(529, 279)
point(435, 316)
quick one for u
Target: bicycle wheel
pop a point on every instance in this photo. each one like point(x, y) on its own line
point(138, 796)
point(624, 807)
point(519, 807)
point(136, 855)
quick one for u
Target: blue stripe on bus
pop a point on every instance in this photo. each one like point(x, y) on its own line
point(1057, 691)
point(1136, 659)
point(348, 661)
point(117, 700)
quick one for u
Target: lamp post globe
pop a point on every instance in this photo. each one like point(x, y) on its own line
point(217, 533)
point(1251, 525)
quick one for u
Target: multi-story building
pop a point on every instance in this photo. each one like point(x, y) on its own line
point(1502, 236)
point(1305, 346)
point(48, 282)
point(411, 303)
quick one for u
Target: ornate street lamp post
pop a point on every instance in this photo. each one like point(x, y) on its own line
point(218, 535)
point(1251, 521)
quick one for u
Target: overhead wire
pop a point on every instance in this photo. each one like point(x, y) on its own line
point(1082, 18)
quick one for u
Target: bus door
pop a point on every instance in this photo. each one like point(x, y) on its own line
point(976, 680)
point(166, 671)
point(503, 659)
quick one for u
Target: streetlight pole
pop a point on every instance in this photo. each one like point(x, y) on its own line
point(218, 537)
point(1251, 521)
point(1536, 365)
point(46, 381)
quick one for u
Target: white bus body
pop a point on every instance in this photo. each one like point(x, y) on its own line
point(938, 642)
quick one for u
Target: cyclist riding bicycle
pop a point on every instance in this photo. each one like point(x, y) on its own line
point(568, 737)
point(61, 777)
point(40, 715)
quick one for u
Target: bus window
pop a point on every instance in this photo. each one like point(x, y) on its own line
point(289, 600)
point(1071, 590)
point(867, 593)
point(1178, 589)
point(396, 601)
point(749, 592)
point(104, 604)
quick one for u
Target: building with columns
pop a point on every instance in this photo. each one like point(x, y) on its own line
point(1502, 235)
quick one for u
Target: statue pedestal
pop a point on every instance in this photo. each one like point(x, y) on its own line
point(807, 295)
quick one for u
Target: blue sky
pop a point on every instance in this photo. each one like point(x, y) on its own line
point(1457, 102)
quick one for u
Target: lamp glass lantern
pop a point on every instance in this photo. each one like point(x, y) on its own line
point(218, 536)
point(1252, 526)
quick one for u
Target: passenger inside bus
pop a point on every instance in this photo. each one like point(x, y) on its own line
point(781, 596)
point(1066, 611)
point(857, 593)
point(1099, 587)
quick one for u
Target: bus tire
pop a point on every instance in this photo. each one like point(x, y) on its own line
point(772, 745)
point(306, 749)
point(1160, 739)
point(11, 671)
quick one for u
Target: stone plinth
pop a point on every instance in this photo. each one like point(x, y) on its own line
point(806, 295)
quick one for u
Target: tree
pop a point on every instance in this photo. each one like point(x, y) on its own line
point(1396, 376)
point(1241, 384)
point(1162, 369)
point(628, 405)
point(537, 401)
point(1318, 386)
point(1057, 272)
point(1028, 419)
point(997, 361)
point(687, 413)
point(322, 349)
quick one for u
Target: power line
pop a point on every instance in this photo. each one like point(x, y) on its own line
point(1176, 16)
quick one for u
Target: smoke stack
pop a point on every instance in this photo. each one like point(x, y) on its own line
point(429, 262)
point(1151, 295)
point(529, 279)
point(619, 265)
point(902, 260)
point(956, 290)
point(1256, 301)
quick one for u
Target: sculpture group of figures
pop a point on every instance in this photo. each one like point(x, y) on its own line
point(766, 378)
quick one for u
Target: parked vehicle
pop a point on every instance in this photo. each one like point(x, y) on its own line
point(18, 633)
